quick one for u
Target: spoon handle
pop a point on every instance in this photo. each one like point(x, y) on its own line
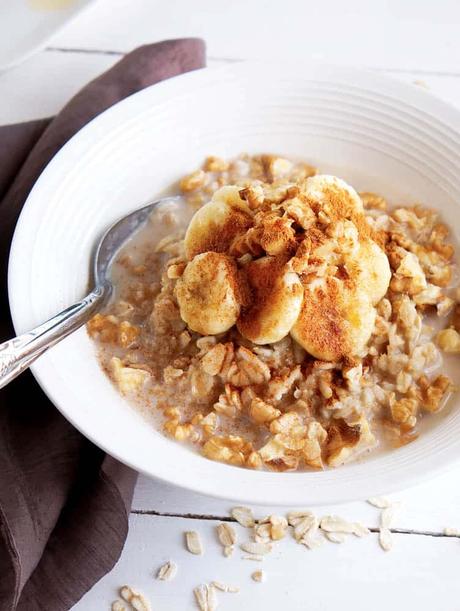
point(18, 353)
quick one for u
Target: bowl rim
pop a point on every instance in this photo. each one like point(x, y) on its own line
point(157, 93)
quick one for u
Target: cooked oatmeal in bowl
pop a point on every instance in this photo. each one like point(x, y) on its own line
point(277, 319)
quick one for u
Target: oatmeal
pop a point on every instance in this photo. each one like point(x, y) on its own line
point(278, 319)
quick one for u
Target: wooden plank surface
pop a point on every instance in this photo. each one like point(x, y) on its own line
point(420, 572)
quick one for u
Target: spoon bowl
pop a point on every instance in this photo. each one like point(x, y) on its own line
point(18, 353)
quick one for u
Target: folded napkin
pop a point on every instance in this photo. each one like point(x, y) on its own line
point(64, 504)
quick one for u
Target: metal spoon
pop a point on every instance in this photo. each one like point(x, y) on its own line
point(18, 353)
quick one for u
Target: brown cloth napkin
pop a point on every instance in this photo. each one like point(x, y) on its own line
point(64, 504)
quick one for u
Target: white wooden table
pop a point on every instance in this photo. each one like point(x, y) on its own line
point(417, 41)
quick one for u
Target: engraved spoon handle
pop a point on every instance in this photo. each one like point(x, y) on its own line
point(18, 353)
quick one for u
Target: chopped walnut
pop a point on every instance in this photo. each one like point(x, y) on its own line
point(444, 306)
point(301, 214)
point(213, 360)
point(433, 393)
point(409, 277)
point(449, 340)
point(230, 449)
point(207, 423)
point(175, 271)
point(431, 295)
point(254, 461)
point(404, 411)
point(229, 403)
point(440, 275)
point(276, 456)
point(345, 440)
point(315, 438)
point(372, 200)
point(109, 329)
point(248, 369)
point(215, 164)
point(193, 181)
point(254, 195)
point(202, 384)
point(280, 385)
point(275, 167)
point(128, 379)
point(261, 412)
point(290, 424)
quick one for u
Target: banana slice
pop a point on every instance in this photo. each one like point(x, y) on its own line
point(334, 321)
point(275, 301)
point(326, 190)
point(338, 315)
point(217, 223)
point(374, 270)
point(208, 293)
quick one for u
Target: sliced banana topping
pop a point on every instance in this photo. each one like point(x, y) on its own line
point(334, 321)
point(351, 273)
point(374, 270)
point(218, 223)
point(310, 265)
point(275, 302)
point(330, 191)
point(208, 293)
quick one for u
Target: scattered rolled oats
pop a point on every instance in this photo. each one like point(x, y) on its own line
point(306, 528)
point(294, 517)
point(451, 532)
point(379, 501)
point(311, 540)
point(168, 571)
point(387, 515)
point(303, 525)
point(258, 576)
point(228, 550)
point(225, 588)
point(257, 549)
point(119, 605)
point(193, 542)
point(135, 599)
point(360, 530)
point(262, 532)
point(226, 534)
point(339, 525)
point(278, 527)
point(272, 527)
point(205, 596)
point(254, 557)
point(244, 516)
point(385, 539)
point(335, 537)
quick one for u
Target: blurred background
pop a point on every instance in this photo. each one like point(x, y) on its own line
point(414, 40)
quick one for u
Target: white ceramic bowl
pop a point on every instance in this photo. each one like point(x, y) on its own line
point(377, 133)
